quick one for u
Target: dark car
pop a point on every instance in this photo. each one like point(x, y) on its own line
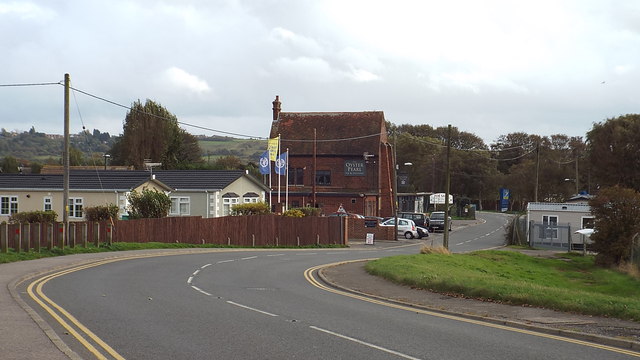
point(419, 219)
point(436, 221)
point(422, 232)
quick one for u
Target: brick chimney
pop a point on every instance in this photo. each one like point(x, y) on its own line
point(276, 108)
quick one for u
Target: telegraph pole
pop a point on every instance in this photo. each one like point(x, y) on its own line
point(535, 191)
point(445, 240)
point(65, 161)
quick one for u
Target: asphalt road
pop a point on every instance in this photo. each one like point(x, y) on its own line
point(260, 304)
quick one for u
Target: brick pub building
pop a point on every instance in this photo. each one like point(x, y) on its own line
point(336, 158)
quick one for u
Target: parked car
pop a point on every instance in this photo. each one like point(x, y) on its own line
point(436, 221)
point(406, 227)
point(348, 215)
point(419, 219)
point(422, 232)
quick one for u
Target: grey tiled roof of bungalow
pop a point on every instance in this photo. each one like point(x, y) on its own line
point(198, 179)
point(123, 180)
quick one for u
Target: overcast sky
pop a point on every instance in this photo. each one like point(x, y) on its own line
point(486, 67)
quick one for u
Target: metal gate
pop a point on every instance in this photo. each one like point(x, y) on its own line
point(552, 236)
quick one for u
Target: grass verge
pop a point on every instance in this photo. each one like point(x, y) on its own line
point(569, 283)
point(13, 256)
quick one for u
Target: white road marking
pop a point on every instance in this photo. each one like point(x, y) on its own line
point(275, 255)
point(224, 261)
point(249, 258)
point(308, 254)
point(200, 290)
point(189, 280)
point(205, 266)
point(196, 272)
point(250, 308)
point(365, 343)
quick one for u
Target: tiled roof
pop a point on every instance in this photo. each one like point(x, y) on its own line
point(198, 179)
point(85, 181)
point(358, 126)
point(123, 180)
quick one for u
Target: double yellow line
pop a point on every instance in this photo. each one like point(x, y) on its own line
point(308, 274)
point(83, 335)
point(68, 321)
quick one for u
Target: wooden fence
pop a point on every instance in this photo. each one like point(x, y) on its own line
point(247, 231)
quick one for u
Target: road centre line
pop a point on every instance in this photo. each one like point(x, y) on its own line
point(250, 308)
point(200, 290)
point(205, 266)
point(224, 261)
point(275, 255)
point(249, 258)
point(365, 343)
point(308, 274)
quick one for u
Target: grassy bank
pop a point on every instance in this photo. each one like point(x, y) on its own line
point(13, 256)
point(567, 283)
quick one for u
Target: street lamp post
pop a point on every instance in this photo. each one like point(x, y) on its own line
point(106, 159)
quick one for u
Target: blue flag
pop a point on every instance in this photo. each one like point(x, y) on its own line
point(281, 164)
point(265, 163)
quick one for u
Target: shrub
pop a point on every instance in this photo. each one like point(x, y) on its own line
point(294, 213)
point(309, 211)
point(260, 208)
point(33, 217)
point(149, 204)
point(616, 211)
point(101, 212)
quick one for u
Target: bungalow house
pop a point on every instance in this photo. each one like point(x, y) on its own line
point(336, 159)
point(553, 225)
point(206, 193)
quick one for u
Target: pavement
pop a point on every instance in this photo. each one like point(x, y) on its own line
point(24, 335)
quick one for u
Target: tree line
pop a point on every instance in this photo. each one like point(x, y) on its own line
point(543, 168)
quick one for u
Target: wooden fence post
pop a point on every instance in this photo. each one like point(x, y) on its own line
point(27, 237)
point(96, 234)
point(72, 235)
point(17, 238)
point(62, 234)
point(37, 244)
point(4, 237)
point(253, 240)
point(109, 234)
point(85, 235)
point(49, 236)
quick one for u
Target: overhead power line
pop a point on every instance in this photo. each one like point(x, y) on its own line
point(31, 84)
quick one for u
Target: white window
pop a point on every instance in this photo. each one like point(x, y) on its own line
point(75, 208)
point(550, 226)
point(48, 202)
point(227, 203)
point(250, 200)
point(180, 206)
point(8, 205)
point(588, 222)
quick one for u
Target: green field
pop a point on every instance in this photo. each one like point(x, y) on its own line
point(247, 150)
point(568, 283)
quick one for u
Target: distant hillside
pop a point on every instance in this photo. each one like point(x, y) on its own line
point(30, 146)
point(248, 150)
point(35, 146)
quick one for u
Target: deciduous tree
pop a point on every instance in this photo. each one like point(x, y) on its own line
point(152, 132)
point(614, 151)
point(616, 211)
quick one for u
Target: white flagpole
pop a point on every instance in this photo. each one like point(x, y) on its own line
point(270, 202)
point(286, 179)
point(278, 158)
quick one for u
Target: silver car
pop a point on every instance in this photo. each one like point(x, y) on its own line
point(406, 227)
